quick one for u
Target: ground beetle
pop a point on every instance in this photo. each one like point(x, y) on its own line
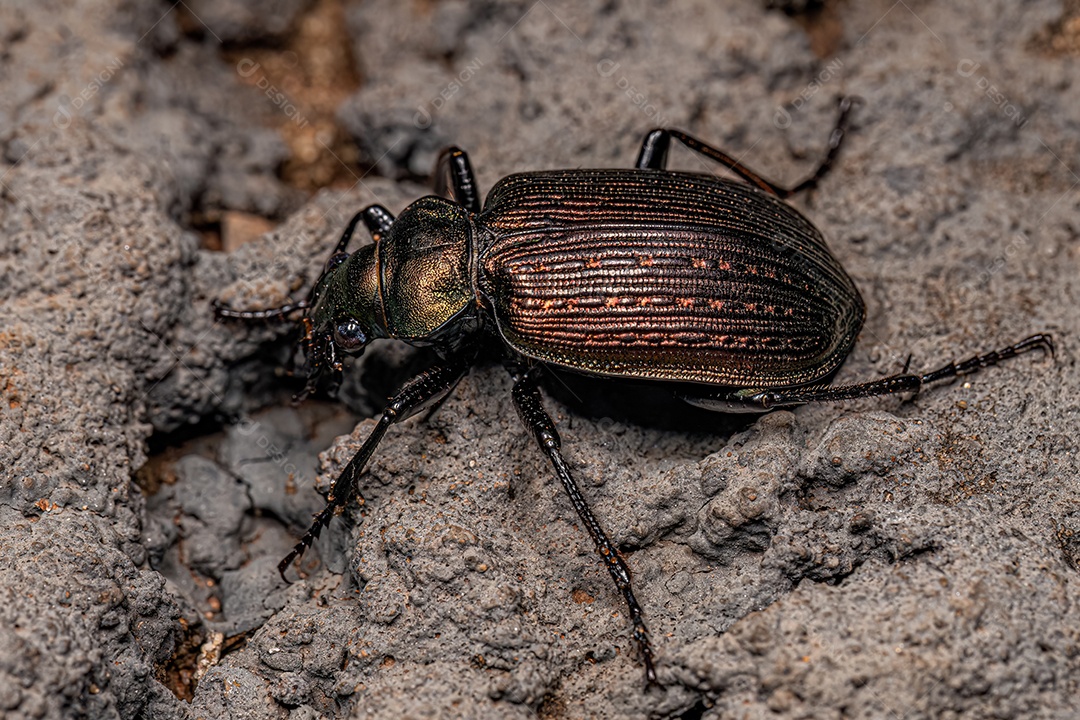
point(716, 287)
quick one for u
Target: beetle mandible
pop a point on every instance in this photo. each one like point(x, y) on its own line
point(716, 287)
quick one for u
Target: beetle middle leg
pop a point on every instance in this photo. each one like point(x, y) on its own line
point(767, 399)
point(655, 146)
point(526, 396)
point(453, 163)
point(426, 388)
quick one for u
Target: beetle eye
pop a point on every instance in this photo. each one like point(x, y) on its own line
point(335, 260)
point(348, 335)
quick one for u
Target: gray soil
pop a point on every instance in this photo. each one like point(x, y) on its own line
point(888, 557)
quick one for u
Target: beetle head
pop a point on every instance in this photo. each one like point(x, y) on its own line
point(341, 318)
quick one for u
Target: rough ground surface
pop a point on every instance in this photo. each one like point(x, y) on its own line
point(881, 558)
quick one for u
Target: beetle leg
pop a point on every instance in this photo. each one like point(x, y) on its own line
point(654, 151)
point(767, 399)
point(377, 220)
point(349, 230)
point(526, 396)
point(430, 385)
point(433, 407)
point(453, 163)
point(836, 137)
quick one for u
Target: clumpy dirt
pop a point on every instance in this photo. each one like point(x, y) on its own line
point(889, 557)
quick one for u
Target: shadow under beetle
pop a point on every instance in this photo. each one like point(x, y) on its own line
point(714, 286)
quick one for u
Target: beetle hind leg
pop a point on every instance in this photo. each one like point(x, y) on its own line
point(526, 396)
point(1039, 341)
point(760, 400)
point(655, 146)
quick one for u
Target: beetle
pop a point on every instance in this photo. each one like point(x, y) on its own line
point(715, 287)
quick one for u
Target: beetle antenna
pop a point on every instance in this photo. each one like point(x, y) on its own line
point(278, 313)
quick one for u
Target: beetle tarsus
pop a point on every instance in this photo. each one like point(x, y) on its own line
point(1039, 341)
point(836, 138)
point(904, 382)
point(321, 520)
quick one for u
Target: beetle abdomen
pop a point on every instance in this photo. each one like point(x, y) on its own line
point(664, 276)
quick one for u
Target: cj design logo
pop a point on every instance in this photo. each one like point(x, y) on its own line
point(967, 68)
point(69, 107)
point(607, 68)
point(783, 115)
point(249, 70)
point(423, 117)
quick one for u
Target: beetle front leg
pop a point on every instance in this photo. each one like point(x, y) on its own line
point(376, 219)
point(655, 146)
point(427, 387)
point(526, 396)
point(759, 400)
